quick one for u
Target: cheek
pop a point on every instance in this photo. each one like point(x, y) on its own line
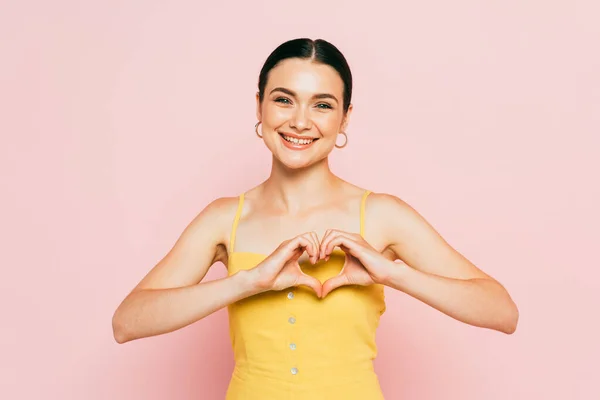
point(274, 116)
point(328, 124)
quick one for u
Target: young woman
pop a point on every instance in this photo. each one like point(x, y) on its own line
point(308, 254)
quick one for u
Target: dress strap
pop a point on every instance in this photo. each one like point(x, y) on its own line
point(362, 212)
point(236, 220)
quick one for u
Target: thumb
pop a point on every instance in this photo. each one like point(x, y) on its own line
point(311, 282)
point(333, 283)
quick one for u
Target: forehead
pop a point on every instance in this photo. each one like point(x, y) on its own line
point(305, 77)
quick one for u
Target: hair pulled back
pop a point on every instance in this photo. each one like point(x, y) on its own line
point(318, 50)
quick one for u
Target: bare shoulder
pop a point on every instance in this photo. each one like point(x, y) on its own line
point(415, 241)
point(385, 206)
point(388, 214)
point(219, 214)
point(221, 208)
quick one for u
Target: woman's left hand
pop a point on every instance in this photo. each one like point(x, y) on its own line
point(364, 265)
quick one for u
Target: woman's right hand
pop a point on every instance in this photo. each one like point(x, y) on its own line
point(281, 270)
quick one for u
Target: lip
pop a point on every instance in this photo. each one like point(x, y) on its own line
point(295, 136)
point(293, 146)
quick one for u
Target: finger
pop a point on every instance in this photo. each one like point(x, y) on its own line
point(312, 250)
point(321, 247)
point(330, 235)
point(333, 241)
point(315, 240)
point(311, 282)
point(346, 243)
point(325, 253)
point(333, 283)
point(297, 246)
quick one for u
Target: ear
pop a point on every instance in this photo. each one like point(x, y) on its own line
point(346, 118)
point(258, 113)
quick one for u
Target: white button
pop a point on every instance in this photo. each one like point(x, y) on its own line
point(292, 320)
point(294, 371)
point(293, 346)
point(290, 295)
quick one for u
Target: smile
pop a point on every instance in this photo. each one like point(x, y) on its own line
point(297, 143)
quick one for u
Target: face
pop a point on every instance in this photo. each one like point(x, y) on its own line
point(302, 111)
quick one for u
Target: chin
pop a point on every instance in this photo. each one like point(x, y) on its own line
point(295, 163)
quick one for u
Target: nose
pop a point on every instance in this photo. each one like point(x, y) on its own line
point(300, 120)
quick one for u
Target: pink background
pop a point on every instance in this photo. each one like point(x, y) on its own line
point(121, 120)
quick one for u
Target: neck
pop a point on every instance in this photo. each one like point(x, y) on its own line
point(295, 190)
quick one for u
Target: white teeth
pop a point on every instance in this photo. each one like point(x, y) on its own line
point(297, 141)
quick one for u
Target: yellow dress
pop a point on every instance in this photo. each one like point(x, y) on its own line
point(291, 345)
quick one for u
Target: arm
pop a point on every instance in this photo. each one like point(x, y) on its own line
point(438, 275)
point(171, 296)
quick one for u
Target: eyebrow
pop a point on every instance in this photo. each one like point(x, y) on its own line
point(316, 96)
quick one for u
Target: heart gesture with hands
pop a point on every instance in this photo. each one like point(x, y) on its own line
point(363, 266)
point(281, 270)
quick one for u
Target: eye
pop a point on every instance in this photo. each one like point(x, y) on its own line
point(282, 100)
point(324, 106)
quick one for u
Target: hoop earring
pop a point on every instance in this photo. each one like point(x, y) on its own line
point(256, 129)
point(345, 143)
